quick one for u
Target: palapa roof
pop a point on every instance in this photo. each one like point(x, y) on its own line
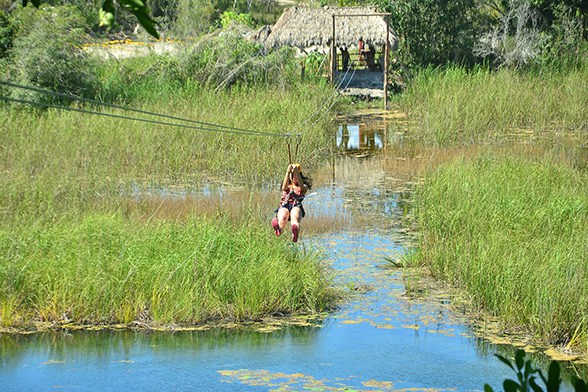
point(305, 27)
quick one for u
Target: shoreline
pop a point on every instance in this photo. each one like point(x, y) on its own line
point(266, 324)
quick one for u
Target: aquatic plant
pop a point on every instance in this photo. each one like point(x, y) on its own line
point(67, 161)
point(460, 107)
point(527, 374)
point(108, 269)
point(511, 232)
point(75, 249)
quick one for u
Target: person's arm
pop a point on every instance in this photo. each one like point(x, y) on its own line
point(286, 182)
point(303, 186)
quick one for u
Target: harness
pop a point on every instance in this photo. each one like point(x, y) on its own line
point(288, 140)
point(291, 199)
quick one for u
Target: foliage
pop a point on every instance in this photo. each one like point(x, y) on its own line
point(80, 242)
point(314, 67)
point(6, 34)
point(68, 162)
point(108, 269)
point(549, 10)
point(565, 47)
point(513, 223)
point(507, 32)
point(229, 17)
point(218, 60)
point(138, 8)
point(193, 18)
point(515, 40)
point(430, 33)
point(527, 375)
point(47, 52)
point(228, 59)
point(457, 106)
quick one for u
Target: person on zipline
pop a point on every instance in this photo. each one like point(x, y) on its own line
point(294, 188)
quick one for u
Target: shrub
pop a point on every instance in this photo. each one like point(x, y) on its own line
point(566, 47)
point(229, 17)
point(193, 18)
point(228, 59)
point(47, 52)
point(6, 34)
point(528, 374)
point(516, 39)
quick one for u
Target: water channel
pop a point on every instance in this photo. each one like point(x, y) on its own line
point(380, 340)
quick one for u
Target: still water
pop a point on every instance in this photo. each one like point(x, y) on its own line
point(380, 340)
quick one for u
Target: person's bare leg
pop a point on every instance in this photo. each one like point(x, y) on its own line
point(295, 218)
point(283, 215)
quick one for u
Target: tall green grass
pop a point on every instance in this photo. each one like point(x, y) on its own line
point(54, 161)
point(72, 251)
point(457, 106)
point(513, 233)
point(108, 269)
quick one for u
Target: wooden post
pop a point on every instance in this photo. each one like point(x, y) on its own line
point(333, 150)
point(386, 55)
point(333, 54)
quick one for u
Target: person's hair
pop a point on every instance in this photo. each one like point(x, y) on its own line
point(306, 180)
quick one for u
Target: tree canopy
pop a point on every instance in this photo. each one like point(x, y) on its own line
point(107, 12)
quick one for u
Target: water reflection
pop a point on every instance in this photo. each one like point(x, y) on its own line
point(106, 345)
point(380, 339)
point(363, 137)
point(370, 132)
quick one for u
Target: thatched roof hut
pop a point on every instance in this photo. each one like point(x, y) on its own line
point(304, 27)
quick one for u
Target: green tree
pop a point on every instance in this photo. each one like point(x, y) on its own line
point(549, 10)
point(534, 32)
point(515, 40)
point(47, 52)
point(6, 34)
point(434, 32)
point(138, 8)
point(194, 17)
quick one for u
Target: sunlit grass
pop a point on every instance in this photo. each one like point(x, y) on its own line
point(455, 106)
point(512, 232)
point(101, 222)
point(106, 269)
point(53, 160)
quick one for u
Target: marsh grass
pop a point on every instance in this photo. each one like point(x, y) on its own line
point(55, 161)
point(512, 232)
point(106, 269)
point(233, 205)
point(456, 106)
point(81, 242)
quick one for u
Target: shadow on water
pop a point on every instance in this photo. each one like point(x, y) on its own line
point(381, 339)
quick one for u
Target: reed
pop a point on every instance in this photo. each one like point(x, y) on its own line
point(457, 106)
point(83, 241)
point(108, 269)
point(511, 231)
point(57, 162)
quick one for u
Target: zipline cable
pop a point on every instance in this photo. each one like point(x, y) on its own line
point(200, 128)
point(93, 101)
point(325, 103)
point(333, 103)
point(299, 134)
point(204, 126)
